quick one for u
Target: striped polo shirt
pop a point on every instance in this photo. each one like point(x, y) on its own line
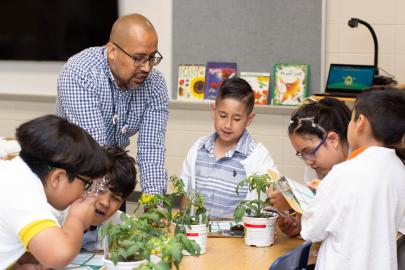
point(217, 179)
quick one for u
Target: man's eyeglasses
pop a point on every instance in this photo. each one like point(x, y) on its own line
point(311, 155)
point(140, 61)
point(87, 182)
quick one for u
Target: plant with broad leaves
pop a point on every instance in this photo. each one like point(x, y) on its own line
point(137, 238)
point(254, 208)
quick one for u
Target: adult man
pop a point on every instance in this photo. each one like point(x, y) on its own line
point(113, 92)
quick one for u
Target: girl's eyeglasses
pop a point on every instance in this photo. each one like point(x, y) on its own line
point(311, 155)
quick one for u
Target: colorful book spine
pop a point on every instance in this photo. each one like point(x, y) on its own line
point(191, 81)
point(260, 83)
point(216, 73)
point(290, 85)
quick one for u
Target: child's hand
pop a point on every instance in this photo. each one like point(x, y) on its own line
point(314, 183)
point(277, 200)
point(84, 210)
point(290, 225)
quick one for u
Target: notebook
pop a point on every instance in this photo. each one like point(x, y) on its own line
point(345, 80)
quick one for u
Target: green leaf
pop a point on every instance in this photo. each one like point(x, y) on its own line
point(162, 266)
point(122, 253)
point(239, 213)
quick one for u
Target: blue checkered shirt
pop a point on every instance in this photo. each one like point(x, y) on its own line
point(89, 97)
point(217, 179)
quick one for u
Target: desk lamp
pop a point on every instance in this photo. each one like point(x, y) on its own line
point(381, 80)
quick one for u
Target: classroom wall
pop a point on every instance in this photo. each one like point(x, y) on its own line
point(355, 45)
point(343, 45)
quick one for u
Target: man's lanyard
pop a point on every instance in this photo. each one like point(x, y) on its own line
point(116, 117)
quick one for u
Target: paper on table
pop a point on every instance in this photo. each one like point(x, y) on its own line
point(88, 261)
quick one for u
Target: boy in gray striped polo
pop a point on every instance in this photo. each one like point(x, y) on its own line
point(215, 164)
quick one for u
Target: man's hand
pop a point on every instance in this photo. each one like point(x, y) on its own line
point(277, 200)
point(290, 225)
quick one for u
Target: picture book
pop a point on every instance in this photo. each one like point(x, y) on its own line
point(296, 194)
point(191, 80)
point(215, 74)
point(260, 83)
point(290, 84)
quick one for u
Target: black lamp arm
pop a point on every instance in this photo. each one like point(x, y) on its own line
point(353, 23)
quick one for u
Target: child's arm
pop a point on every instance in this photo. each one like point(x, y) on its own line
point(322, 214)
point(188, 168)
point(55, 247)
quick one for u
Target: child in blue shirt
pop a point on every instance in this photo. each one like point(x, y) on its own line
point(217, 163)
point(119, 182)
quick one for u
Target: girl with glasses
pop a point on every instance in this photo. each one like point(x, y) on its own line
point(318, 133)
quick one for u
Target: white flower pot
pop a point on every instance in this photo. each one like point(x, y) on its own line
point(198, 233)
point(128, 265)
point(259, 232)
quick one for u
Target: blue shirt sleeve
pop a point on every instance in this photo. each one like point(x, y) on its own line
point(78, 102)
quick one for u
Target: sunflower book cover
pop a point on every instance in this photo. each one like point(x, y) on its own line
point(215, 74)
point(290, 84)
point(191, 81)
point(260, 83)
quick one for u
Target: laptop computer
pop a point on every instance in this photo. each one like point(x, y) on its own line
point(346, 80)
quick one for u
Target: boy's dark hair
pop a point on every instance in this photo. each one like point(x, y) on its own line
point(122, 174)
point(238, 89)
point(52, 142)
point(385, 110)
point(320, 117)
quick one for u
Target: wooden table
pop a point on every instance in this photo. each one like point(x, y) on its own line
point(233, 254)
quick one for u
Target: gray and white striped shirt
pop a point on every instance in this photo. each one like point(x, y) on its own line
point(217, 179)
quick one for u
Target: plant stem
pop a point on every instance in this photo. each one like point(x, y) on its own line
point(258, 202)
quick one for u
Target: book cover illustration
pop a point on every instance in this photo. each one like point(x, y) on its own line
point(260, 83)
point(290, 84)
point(191, 82)
point(216, 73)
point(296, 194)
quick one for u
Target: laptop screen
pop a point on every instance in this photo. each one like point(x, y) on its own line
point(349, 78)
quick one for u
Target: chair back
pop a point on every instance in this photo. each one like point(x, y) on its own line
point(401, 252)
point(295, 260)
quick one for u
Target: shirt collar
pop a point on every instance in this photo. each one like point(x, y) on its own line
point(107, 68)
point(241, 147)
point(111, 77)
point(209, 143)
point(356, 152)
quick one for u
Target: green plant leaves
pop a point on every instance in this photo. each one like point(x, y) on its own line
point(254, 208)
point(139, 237)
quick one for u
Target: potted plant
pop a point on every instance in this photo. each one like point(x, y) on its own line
point(144, 242)
point(259, 224)
point(192, 218)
